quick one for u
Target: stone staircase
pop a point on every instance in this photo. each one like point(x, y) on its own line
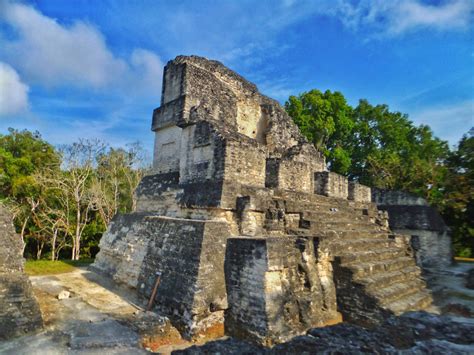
point(374, 270)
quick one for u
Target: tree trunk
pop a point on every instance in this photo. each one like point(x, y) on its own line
point(53, 245)
point(39, 249)
point(78, 249)
point(77, 241)
point(73, 250)
point(22, 235)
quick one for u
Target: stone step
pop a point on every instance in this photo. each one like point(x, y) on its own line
point(336, 219)
point(372, 255)
point(347, 235)
point(318, 215)
point(296, 200)
point(324, 206)
point(378, 281)
point(398, 291)
point(345, 226)
point(299, 231)
point(416, 301)
point(347, 245)
point(371, 268)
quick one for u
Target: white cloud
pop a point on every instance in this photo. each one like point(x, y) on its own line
point(452, 15)
point(147, 69)
point(50, 54)
point(394, 18)
point(13, 93)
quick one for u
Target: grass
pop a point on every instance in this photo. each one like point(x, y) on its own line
point(48, 267)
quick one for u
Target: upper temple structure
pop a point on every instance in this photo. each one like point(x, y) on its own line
point(246, 226)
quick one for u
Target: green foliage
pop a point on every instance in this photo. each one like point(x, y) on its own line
point(22, 153)
point(63, 199)
point(384, 149)
point(457, 206)
point(326, 120)
point(370, 143)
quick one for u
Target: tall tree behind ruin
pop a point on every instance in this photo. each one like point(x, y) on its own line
point(22, 155)
point(116, 177)
point(71, 187)
point(457, 206)
point(371, 144)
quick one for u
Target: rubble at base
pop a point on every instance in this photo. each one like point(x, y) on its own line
point(411, 333)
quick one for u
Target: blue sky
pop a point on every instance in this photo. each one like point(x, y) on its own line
point(92, 69)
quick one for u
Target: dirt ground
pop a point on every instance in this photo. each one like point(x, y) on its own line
point(96, 318)
point(100, 318)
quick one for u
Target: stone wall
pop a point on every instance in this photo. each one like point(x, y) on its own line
point(19, 310)
point(412, 215)
point(167, 150)
point(245, 163)
point(189, 255)
point(330, 184)
point(359, 192)
point(275, 289)
point(396, 197)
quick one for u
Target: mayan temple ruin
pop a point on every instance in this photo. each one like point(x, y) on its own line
point(245, 225)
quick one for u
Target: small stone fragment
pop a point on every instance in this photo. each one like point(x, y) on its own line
point(64, 295)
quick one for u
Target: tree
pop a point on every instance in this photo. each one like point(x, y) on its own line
point(371, 144)
point(457, 207)
point(326, 120)
point(78, 163)
point(65, 198)
point(23, 154)
point(69, 188)
point(117, 175)
point(388, 151)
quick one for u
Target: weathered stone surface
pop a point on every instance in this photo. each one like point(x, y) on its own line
point(19, 311)
point(412, 215)
point(296, 294)
point(228, 346)
point(188, 254)
point(359, 192)
point(230, 166)
point(11, 258)
point(105, 334)
point(331, 184)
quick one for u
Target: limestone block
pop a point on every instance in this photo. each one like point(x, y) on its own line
point(167, 149)
point(330, 184)
point(359, 192)
point(275, 289)
point(64, 295)
point(188, 253)
point(396, 197)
